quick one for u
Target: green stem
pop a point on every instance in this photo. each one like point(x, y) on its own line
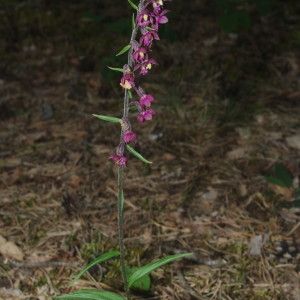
point(120, 179)
point(121, 231)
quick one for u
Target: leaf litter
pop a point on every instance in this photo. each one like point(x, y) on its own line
point(207, 195)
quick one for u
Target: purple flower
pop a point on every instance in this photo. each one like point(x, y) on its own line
point(143, 19)
point(140, 55)
point(127, 81)
point(157, 5)
point(145, 66)
point(119, 160)
point(145, 115)
point(159, 18)
point(146, 100)
point(129, 137)
point(147, 38)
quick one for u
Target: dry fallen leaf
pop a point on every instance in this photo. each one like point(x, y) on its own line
point(239, 152)
point(257, 243)
point(293, 141)
point(10, 250)
point(286, 192)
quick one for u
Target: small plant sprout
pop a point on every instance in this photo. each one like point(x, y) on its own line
point(149, 16)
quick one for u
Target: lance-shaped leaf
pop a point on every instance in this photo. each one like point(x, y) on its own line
point(126, 48)
point(96, 261)
point(122, 202)
point(133, 22)
point(133, 5)
point(284, 175)
point(91, 295)
point(142, 271)
point(139, 156)
point(116, 69)
point(109, 119)
point(143, 283)
point(129, 94)
point(149, 28)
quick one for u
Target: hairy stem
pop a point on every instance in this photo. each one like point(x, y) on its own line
point(120, 177)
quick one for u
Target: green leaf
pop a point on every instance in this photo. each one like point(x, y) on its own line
point(133, 22)
point(296, 203)
point(284, 175)
point(143, 283)
point(109, 119)
point(243, 18)
point(139, 156)
point(133, 5)
point(228, 22)
point(133, 107)
point(276, 181)
point(142, 271)
point(126, 48)
point(149, 28)
point(223, 4)
point(129, 94)
point(99, 259)
point(116, 69)
point(91, 295)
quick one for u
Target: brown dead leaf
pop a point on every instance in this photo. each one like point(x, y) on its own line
point(11, 250)
point(293, 141)
point(75, 180)
point(287, 193)
point(239, 152)
point(95, 83)
point(168, 157)
point(16, 175)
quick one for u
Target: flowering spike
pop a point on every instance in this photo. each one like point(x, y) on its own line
point(150, 15)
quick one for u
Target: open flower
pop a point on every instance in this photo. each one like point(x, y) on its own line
point(157, 5)
point(145, 115)
point(143, 19)
point(146, 100)
point(158, 18)
point(145, 66)
point(129, 137)
point(119, 160)
point(140, 55)
point(127, 81)
point(147, 38)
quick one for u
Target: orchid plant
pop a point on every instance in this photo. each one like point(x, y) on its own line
point(146, 22)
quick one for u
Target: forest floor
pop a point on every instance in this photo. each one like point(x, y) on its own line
point(228, 117)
